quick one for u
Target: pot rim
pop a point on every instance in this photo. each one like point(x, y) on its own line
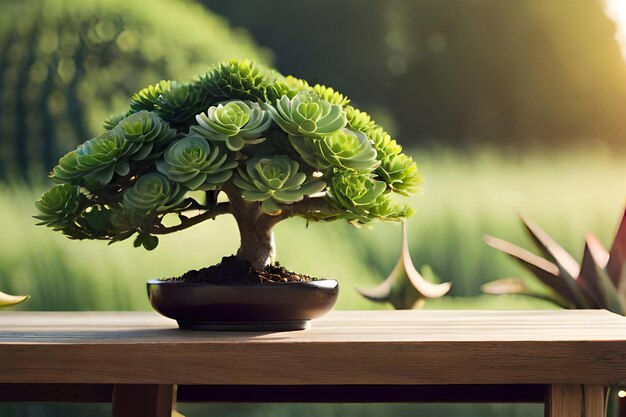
point(322, 282)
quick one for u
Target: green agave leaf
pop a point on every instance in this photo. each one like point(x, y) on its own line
point(547, 272)
point(594, 278)
point(551, 249)
point(588, 278)
point(7, 300)
point(516, 286)
point(617, 257)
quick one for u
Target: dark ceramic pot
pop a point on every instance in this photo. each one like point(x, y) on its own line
point(243, 307)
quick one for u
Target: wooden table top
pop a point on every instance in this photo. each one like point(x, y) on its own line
point(345, 347)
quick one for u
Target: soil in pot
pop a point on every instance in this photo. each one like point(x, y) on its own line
point(234, 271)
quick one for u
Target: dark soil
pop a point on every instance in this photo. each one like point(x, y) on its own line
point(233, 271)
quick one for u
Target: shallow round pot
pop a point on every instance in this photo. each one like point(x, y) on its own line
point(243, 307)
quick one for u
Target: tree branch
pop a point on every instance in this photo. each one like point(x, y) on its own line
point(211, 213)
point(305, 206)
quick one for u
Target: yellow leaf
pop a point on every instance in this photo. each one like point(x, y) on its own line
point(9, 300)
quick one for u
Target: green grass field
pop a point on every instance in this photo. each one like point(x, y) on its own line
point(465, 196)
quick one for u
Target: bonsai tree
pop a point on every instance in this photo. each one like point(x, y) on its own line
point(274, 146)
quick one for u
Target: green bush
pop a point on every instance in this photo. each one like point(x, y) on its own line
point(65, 65)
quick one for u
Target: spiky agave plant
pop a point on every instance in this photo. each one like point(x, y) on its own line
point(274, 146)
point(598, 282)
point(405, 287)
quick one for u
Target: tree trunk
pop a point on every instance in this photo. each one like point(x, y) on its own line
point(257, 243)
point(255, 229)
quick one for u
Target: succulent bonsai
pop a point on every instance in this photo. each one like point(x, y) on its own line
point(598, 282)
point(274, 146)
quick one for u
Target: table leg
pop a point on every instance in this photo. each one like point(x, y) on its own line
point(573, 400)
point(133, 400)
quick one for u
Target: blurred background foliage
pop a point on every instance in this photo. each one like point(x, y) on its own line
point(458, 72)
point(507, 106)
point(66, 65)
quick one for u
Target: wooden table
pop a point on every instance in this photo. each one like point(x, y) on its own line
point(566, 359)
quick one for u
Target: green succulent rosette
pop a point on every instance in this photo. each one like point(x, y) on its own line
point(180, 104)
point(94, 163)
point(398, 170)
point(344, 149)
point(238, 79)
point(306, 114)
point(383, 143)
point(151, 193)
point(196, 163)
point(359, 120)
point(401, 174)
point(356, 193)
point(236, 123)
point(386, 209)
point(363, 198)
point(147, 128)
point(59, 206)
point(175, 103)
point(114, 120)
point(288, 86)
point(330, 95)
point(274, 181)
point(148, 98)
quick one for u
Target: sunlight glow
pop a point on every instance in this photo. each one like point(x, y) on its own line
point(616, 10)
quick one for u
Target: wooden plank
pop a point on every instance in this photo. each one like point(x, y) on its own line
point(390, 347)
point(131, 400)
point(370, 326)
point(404, 325)
point(361, 393)
point(564, 400)
point(595, 400)
point(315, 363)
point(421, 326)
